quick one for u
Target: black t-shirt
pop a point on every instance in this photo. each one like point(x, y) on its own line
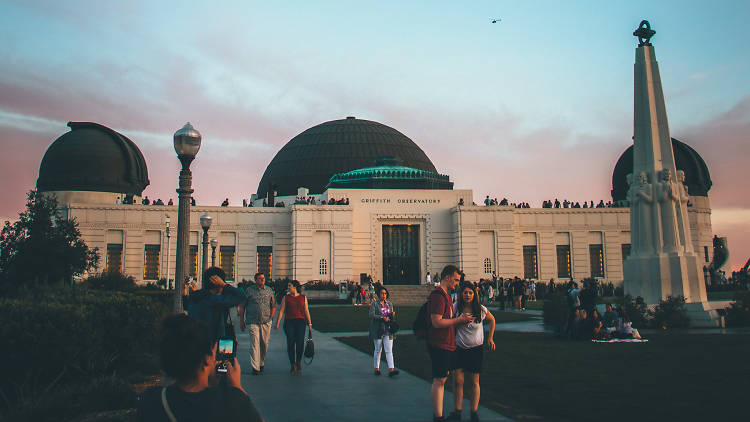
point(220, 402)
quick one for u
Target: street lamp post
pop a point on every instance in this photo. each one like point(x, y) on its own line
point(205, 224)
point(168, 220)
point(187, 142)
point(214, 243)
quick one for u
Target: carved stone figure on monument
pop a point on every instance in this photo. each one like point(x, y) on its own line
point(668, 195)
point(641, 197)
point(682, 217)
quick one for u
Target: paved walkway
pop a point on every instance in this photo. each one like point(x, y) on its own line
point(337, 386)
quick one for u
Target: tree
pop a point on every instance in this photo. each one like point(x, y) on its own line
point(42, 247)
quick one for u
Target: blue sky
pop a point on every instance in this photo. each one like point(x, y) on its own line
point(536, 106)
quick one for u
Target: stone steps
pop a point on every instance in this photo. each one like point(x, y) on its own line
point(409, 294)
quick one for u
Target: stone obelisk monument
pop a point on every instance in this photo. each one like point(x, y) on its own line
point(662, 260)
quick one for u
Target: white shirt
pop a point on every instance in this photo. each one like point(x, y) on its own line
point(472, 334)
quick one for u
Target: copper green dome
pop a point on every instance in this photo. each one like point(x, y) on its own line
point(387, 174)
point(95, 158)
point(697, 177)
point(311, 158)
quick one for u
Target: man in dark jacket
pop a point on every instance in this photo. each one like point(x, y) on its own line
point(211, 304)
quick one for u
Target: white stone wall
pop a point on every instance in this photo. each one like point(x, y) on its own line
point(449, 234)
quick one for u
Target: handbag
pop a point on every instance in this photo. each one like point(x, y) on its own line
point(309, 348)
point(392, 327)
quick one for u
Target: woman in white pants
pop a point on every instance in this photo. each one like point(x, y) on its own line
point(382, 313)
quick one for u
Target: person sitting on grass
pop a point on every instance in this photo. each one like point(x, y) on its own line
point(609, 320)
point(187, 353)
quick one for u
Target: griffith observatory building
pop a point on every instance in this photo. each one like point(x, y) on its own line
point(402, 219)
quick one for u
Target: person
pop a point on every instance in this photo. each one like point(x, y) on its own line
point(429, 278)
point(295, 312)
point(257, 313)
point(441, 340)
point(381, 313)
point(469, 353)
point(211, 304)
point(187, 353)
point(610, 319)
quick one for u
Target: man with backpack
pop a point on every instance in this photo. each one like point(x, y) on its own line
point(441, 339)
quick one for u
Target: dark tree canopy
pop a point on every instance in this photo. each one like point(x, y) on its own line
point(42, 247)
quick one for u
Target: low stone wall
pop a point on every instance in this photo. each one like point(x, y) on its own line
point(321, 294)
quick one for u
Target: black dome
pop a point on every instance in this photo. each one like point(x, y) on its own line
point(312, 157)
point(92, 157)
point(697, 178)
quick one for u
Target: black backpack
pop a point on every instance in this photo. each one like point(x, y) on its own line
point(422, 322)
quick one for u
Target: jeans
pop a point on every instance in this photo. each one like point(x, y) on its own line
point(385, 342)
point(295, 338)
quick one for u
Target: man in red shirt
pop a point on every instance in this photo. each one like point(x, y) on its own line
point(441, 339)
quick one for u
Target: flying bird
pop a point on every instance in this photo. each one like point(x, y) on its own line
point(496, 20)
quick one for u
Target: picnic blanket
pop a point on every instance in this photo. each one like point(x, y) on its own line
point(622, 340)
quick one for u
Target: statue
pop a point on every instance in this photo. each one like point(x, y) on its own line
point(682, 216)
point(641, 197)
point(667, 194)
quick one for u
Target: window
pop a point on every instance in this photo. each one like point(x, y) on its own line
point(625, 251)
point(151, 262)
point(114, 258)
point(264, 260)
point(563, 261)
point(487, 266)
point(596, 256)
point(193, 264)
point(530, 267)
point(226, 255)
point(323, 266)
point(705, 253)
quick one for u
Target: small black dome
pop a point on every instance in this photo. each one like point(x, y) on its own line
point(697, 177)
point(312, 157)
point(92, 157)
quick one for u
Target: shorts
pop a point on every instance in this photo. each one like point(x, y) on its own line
point(470, 360)
point(443, 361)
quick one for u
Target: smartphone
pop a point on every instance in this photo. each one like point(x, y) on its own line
point(225, 351)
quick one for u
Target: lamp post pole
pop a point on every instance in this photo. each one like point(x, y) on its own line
point(205, 224)
point(166, 285)
point(214, 243)
point(187, 142)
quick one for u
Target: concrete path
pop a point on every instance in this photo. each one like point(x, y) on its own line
point(337, 386)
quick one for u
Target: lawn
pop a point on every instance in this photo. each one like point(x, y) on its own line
point(330, 319)
point(675, 376)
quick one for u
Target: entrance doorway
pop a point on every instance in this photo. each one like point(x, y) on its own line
point(401, 254)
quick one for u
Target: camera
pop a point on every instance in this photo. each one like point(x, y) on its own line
point(225, 352)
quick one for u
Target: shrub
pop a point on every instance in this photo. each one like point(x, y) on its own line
point(111, 281)
point(71, 335)
point(636, 310)
point(738, 314)
point(669, 313)
point(321, 285)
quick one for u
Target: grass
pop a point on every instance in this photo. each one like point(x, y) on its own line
point(532, 376)
point(331, 319)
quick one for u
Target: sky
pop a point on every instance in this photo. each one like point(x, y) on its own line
point(536, 106)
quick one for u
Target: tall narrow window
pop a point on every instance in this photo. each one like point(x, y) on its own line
point(151, 262)
point(530, 266)
point(705, 253)
point(596, 256)
point(323, 270)
point(625, 251)
point(563, 261)
point(227, 260)
point(487, 266)
point(193, 264)
point(114, 257)
point(264, 260)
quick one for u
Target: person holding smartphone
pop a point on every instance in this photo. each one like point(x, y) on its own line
point(188, 353)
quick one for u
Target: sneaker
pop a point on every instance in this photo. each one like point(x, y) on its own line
point(261, 368)
point(256, 372)
point(393, 373)
point(438, 419)
point(377, 371)
point(474, 417)
point(454, 416)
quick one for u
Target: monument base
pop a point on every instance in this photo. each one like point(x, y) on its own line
point(705, 314)
point(654, 277)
